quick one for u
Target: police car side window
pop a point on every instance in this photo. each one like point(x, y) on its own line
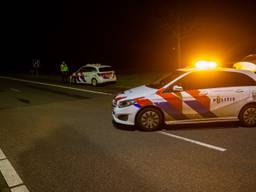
point(93, 69)
point(87, 69)
point(82, 70)
point(196, 80)
point(212, 79)
point(90, 69)
point(233, 79)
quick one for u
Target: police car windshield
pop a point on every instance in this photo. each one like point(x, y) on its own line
point(103, 69)
point(159, 83)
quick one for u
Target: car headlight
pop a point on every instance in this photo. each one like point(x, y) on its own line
point(126, 103)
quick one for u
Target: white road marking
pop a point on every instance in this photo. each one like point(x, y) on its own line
point(15, 90)
point(2, 155)
point(11, 177)
point(9, 173)
point(193, 141)
point(54, 85)
point(21, 188)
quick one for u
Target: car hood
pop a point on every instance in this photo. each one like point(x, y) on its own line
point(138, 92)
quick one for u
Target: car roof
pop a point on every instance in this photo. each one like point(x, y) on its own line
point(96, 65)
point(250, 58)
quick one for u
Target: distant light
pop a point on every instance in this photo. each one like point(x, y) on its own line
point(206, 65)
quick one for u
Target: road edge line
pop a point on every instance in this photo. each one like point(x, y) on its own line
point(20, 188)
point(2, 155)
point(193, 141)
point(10, 175)
point(55, 85)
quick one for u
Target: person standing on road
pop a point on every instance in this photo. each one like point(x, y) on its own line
point(36, 66)
point(64, 72)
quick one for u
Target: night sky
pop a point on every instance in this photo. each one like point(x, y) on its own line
point(129, 35)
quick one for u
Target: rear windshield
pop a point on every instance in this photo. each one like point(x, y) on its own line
point(103, 69)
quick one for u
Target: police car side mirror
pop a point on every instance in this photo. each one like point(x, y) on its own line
point(177, 88)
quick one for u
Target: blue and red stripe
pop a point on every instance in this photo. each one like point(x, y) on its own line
point(171, 110)
point(199, 108)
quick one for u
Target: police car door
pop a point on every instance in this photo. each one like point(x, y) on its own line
point(89, 74)
point(229, 93)
point(211, 94)
point(80, 75)
point(195, 95)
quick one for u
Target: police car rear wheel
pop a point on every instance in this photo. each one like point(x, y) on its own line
point(94, 82)
point(73, 80)
point(248, 115)
point(149, 119)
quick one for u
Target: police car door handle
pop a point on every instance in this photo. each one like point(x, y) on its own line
point(239, 91)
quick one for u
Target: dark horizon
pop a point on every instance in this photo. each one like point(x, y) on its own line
point(130, 36)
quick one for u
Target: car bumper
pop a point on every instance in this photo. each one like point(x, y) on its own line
point(125, 116)
point(102, 80)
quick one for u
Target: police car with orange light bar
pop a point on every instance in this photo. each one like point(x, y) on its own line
point(93, 74)
point(197, 95)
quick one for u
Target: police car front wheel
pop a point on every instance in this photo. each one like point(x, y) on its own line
point(149, 119)
point(94, 82)
point(248, 115)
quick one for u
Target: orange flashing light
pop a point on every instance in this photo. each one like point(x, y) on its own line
point(205, 65)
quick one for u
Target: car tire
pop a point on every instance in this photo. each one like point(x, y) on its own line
point(149, 119)
point(74, 80)
point(247, 115)
point(94, 82)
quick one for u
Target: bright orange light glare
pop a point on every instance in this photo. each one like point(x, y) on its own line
point(205, 65)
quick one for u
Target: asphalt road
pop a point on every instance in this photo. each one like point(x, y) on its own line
point(59, 140)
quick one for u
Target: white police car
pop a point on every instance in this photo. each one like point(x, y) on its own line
point(190, 96)
point(93, 74)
